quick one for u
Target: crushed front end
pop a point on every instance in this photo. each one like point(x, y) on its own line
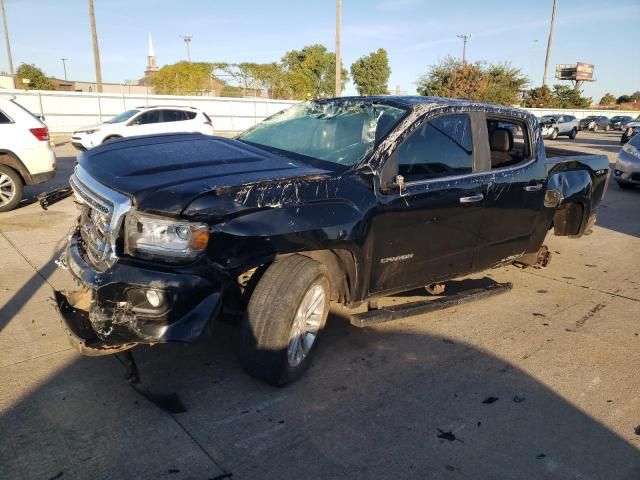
point(124, 300)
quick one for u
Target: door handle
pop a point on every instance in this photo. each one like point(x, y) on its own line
point(472, 198)
point(533, 188)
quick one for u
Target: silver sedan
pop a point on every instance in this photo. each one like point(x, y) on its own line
point(627, 171)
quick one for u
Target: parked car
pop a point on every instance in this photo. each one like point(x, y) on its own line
point(630, 129)
point(554, 126)
point(144, 121)
point(343, 200)
point(627, 170)
point(594, 123)
point(617, 122)
point(26, 158)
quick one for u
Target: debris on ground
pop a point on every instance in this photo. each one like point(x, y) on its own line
point(490, 400)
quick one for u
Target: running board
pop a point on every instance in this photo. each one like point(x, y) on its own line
point(395, 312)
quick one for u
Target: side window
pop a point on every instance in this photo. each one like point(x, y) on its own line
point(148, 117)
point(508, 142)
point(190, 115)
point(4, 118)
point(173, 115)
point(442, 147)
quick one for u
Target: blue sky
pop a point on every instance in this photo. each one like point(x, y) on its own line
point(416, 33)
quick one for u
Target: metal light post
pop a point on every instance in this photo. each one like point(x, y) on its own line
point(549, 41)
point(338, 62)
point(6, 37)
point(64, 67)
point(464, 39)
point(187, 41)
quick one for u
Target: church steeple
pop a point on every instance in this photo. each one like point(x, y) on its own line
point(152, 66)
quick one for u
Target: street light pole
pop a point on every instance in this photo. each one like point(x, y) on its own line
point(338, 62)
point(464, 38)
point(187, 40)
point(64, 66)
point(6, 37)
point(549, 41)
point(96, 50)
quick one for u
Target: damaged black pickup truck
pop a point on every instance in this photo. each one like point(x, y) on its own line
point(344, 200)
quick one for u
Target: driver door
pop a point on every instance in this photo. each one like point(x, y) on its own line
point(428, 229)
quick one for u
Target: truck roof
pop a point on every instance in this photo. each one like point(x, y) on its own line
point(413, 101)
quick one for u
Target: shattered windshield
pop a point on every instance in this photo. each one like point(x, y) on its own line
point(337, 131)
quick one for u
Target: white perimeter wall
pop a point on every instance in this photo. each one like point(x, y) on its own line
point(65, 112)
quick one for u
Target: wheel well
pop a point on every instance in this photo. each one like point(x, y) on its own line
point(10, 160)
point(568, 219)
point(111, 137)
point(340, 265)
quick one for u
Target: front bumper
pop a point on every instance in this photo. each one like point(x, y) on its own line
point(113, 313)
point(627, 169)
point(81, 142)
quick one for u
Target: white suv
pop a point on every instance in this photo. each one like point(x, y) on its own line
point(26, 157)
point(144, 121)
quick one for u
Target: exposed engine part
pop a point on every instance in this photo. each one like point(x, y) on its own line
point(435, 288)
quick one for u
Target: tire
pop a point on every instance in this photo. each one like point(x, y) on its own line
point(11, 188)
point(268, 347)
point(554, 134)
point(573, 134)
point(607, 128)
point(595, 128)
point(625, 186)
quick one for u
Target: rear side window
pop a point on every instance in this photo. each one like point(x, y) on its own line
point(149, 117)
point(191, 115)
point(4, 118)
point(508, 142)
point(441, 147)
point(173, 116)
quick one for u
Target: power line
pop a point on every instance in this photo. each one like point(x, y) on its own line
point(338, 62)
point(549, 41)
point(464, 38)
point(6, 37)
point(96, 50)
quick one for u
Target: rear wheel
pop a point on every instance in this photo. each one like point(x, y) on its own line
point(573, 134)
point(11, 188)
point(286, 313)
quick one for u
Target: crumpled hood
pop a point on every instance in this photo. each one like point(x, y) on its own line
point(164, 173)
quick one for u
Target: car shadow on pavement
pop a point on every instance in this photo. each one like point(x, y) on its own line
point(384, 402)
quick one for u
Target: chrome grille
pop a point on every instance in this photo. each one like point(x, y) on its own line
point(101, 218)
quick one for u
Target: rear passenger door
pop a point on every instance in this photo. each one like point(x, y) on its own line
point(174, 121)
point(515, 195)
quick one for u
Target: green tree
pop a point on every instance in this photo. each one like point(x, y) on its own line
point(273, 78)
point(567, 97)
point(499, 83)
point(310, 72)
point(37, 79)
point(182, 78)
point(635, 96)
point(540, 97)
point(371, 73)
point(623, 99)
point(608, 99)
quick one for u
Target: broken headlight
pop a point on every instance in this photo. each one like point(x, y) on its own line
point(154, 235)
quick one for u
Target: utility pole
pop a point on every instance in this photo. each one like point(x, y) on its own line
point(64, 66)
point(464, 39)
point(546, 61)
point(338, 62)
point(6, 37)
point(96, 50)
point(187, 41)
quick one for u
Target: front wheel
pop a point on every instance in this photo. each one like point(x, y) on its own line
point(625, 186)
point(11, 188)
point(573, 134)
point(595, 128)
point(554, 134)
point(607, 128)
point(286, 313)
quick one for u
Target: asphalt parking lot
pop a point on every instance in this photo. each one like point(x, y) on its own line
point(538, 383)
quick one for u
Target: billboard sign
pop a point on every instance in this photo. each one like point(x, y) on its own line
point(581, 72)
